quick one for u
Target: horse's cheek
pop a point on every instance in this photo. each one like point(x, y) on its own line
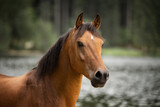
point(82, 57)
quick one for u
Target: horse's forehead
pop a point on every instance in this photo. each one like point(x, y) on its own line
point(88, 36)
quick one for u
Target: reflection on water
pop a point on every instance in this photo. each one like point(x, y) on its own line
point(133, 82)
point(16, 66)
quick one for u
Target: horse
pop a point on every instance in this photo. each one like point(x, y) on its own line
point(56, 80)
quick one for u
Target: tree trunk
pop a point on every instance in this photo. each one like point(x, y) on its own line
point(61, 16)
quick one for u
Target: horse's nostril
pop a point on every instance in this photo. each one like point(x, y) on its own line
point(106, 75)
point(98, 74)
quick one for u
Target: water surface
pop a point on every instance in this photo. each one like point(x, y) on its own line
point(133, 82)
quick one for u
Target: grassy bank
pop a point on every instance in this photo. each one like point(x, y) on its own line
point(122, 52)
point(21, 53)
point(105, 51)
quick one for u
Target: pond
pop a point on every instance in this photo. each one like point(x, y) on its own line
point(133, 82)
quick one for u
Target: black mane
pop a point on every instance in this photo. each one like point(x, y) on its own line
point(49, 61)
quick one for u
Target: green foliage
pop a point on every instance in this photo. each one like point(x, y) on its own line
point(10, 8)
point(24, 24)
point(5, 36)
point(126, 23)
point(145, 22)
point(38, 31)
point(23, 27)
point(44, 35)
point(121, 52)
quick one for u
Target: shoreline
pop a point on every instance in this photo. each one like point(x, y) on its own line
point(122, 52)
point(21, 53)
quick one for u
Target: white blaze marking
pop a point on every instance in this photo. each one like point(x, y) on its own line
point(91, 37)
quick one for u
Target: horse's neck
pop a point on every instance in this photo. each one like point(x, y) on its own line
point(66, 82)
point(62, 87)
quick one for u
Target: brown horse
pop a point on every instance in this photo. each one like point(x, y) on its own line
point(56, 81)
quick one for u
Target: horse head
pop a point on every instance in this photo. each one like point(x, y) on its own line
point(84, 47)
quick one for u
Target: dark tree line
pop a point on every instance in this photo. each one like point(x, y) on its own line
point(124, 23)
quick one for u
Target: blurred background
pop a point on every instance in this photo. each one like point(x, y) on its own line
point(36, 24)
point(131, 29)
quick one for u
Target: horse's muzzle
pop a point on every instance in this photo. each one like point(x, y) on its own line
point(100, 78)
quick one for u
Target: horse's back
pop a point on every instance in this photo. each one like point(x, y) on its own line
point(4, 79)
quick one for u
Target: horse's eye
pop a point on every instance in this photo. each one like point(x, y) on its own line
point(80, 44)
point(102, 45)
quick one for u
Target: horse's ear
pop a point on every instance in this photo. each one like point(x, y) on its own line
point(79, 21)
point(96, 22)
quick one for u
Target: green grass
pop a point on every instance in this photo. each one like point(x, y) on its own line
point(121, 52)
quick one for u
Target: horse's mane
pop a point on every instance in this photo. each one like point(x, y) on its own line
point(49, 61)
